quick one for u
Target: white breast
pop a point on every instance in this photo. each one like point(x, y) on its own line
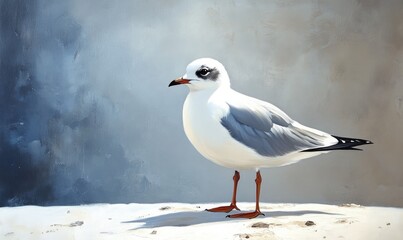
point(202, 113)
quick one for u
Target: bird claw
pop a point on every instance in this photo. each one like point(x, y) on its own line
point(246, 215)
point(226, 209)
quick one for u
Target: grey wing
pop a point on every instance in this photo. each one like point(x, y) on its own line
point(266, 129)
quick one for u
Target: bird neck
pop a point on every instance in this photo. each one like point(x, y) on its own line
point(208, 91)
point(205, 95)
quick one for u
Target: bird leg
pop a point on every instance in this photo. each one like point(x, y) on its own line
point(257, 211)
point(232, 206)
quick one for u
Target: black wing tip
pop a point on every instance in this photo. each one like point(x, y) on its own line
point(356, 149)
point(352, 141)
point(343, 143)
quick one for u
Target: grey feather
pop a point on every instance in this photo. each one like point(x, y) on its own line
point(255, 119)
point(266, 129)
point(262, 116)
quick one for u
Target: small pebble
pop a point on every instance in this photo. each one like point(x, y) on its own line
point(76, 224)
point(260, 225)
point(243, 236)
point(309, 223)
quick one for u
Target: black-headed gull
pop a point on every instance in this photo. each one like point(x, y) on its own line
point(241, 132)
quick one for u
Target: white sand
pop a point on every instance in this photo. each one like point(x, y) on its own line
point(189, 221)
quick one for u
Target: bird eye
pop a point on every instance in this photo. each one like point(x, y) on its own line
point(204, 71)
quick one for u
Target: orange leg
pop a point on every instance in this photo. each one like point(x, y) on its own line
point(233, 202)
point(257, 211)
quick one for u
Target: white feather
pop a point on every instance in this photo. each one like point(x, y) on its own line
point(205, 106)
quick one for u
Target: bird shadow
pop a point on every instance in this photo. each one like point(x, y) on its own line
point(188, 218)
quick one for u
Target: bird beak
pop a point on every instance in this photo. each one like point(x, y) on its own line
point(179, 81)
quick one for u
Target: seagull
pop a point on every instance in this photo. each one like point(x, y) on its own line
point(241, 132)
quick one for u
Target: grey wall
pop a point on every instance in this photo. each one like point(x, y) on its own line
point(86, 115)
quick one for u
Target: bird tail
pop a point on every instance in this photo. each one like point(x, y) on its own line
point(342, 144)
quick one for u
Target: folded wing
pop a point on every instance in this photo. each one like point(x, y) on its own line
point(268, 130)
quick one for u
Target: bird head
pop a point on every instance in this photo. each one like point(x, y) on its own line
point(204, 73)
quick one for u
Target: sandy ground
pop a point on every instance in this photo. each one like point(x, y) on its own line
point(190, 221)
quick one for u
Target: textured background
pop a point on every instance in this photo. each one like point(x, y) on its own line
point(86, 115)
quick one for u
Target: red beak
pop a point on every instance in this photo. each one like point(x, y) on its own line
point(179, 81)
